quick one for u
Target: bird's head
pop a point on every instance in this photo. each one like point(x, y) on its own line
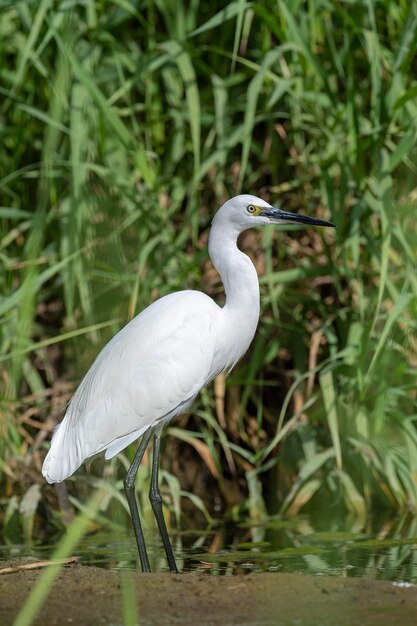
point(246, 211)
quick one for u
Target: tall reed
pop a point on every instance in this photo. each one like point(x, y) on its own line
point(124, 127)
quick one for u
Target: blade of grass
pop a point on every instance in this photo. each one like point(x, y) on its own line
point(329, 398)
point(188, 76)
point(43, 587)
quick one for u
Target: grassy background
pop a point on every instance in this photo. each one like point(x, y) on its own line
point(124, 125)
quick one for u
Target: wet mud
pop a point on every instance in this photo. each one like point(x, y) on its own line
point(85, 595)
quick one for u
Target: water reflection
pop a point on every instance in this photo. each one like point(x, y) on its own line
point(342, 547)
point(376, 549)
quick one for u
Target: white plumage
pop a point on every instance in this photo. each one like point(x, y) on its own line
point(155, 366)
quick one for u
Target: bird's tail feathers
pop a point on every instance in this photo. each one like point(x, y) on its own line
point(64, 456)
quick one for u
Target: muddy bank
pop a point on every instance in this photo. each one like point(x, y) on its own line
point(91, 596)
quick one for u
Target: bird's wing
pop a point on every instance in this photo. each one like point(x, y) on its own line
point(151, 370)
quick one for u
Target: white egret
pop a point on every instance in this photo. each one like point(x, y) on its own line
point(155, 366)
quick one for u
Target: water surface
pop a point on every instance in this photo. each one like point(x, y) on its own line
point(374, 549)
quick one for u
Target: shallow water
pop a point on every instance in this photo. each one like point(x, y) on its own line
point(384, 549)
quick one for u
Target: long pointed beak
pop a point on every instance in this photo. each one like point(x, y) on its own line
point(276, 216)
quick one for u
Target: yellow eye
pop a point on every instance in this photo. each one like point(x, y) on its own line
point(251, 208)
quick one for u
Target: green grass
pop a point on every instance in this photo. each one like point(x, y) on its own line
point(123, 127)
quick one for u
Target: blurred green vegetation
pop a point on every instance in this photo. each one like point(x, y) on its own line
point(123, 126)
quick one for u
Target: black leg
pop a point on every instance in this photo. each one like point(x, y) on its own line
point(129, 484)
point(156, 502)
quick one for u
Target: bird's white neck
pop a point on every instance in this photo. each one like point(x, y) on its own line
point(238, 274)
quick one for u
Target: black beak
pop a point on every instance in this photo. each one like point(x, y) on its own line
point(276, 216)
